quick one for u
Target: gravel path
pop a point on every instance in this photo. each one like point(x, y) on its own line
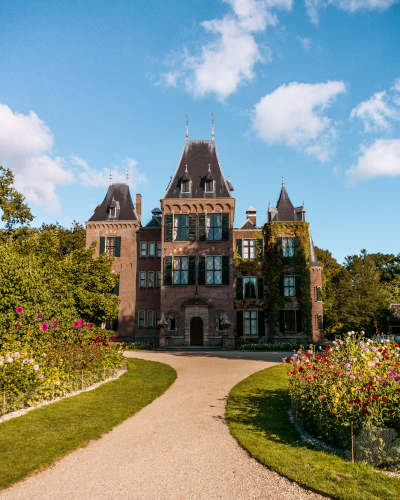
point(178, 447)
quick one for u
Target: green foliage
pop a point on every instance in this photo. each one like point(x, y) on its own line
point(15, 211)
point(388, 266)
point(278, 265)
point(42, 436)
point(257, 415)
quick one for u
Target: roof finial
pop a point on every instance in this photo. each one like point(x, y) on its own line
point(110, 177)
point(127, 176)
point(283, 181)
point(212, 114)
point(187, 127)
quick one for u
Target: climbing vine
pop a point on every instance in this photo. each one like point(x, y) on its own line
point(276, 265)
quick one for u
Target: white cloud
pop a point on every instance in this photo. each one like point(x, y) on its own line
point(305, 42)
point(228, 59)
point(396, 85)
point(375, 112)
point(381, 158)
point(346, 5)
point(91, 177)
point(293, 114)
point(25, 148)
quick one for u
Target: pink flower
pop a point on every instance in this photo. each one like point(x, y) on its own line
point(41, 375)
point(10, 359)
point(76, 324)
point(36, 367)
point(19, 310)
point(82, 322)
point(31, 360)
point(44, 327)
point(40, 315)
point(17, 324)
point(16, 355)
point(25, 361)
point(52, 320)
point(56, 324)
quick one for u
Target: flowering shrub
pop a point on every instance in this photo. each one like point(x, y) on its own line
point(357, 381)
point(270, 347)
point(162, 323)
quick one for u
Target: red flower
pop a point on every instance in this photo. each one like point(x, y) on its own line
point(370, 382)
point(376, 397)
point(383, 399)
point(286, 361)
point(365, 409)
point(363, 389)
point(358, 401)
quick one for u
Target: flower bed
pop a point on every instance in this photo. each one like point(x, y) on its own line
point(353, 387)
point(137, 346)
point(269, 347)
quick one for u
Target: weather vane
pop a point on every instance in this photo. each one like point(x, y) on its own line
point(212, 114)
point(110, 177)
point(187, 127)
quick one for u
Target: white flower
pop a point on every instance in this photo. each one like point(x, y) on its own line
point(363, 355)
point(10, 359)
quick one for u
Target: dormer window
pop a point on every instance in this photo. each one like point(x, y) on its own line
point(209, 186)
point(113, 211)
point(185, 186)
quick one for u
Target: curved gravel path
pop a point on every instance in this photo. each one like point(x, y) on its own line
point(178, 447)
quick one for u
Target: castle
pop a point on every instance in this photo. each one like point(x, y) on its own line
point(208, 280)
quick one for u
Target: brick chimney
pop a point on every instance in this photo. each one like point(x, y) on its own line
point(251, 213)
point(139, 206)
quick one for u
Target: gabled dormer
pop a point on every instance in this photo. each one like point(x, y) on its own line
point(117, 205)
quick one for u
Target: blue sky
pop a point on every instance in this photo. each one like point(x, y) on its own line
point(308, 89)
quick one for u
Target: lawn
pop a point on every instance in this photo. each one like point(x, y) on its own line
point(35, 440)
point(257, 415)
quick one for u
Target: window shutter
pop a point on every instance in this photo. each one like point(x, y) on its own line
point(297, 280)
point(225, 270)
point(280, 245)
point(192, 270)
point(281, 288)
point(169, 220)
point(239, 244)
point(239, 288)
point(299, 321)
point(102, 244)
point(282, 321)
point(192, 227)
point(202, 227)
point(116, 289)
point(239, 322)
point(167, 270)
point(260, 288)
point(261, 323)
point(118, 246)
point(202, 271)
point(114, 324)
point(225, 227)
point(296, 245)
point(260, 248)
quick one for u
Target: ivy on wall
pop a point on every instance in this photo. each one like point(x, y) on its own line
point(249, 303)
point(298, 265)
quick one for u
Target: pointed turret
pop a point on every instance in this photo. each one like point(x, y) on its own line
point(117, 205)
point(284, 210)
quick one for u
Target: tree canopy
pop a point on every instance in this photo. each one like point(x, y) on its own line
point(15, 211)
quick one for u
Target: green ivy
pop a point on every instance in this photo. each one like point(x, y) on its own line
point(249, 303)
point(299, 265)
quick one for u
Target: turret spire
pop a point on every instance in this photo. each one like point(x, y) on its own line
point(187, 127)
point(212, 125)
point(110, 177)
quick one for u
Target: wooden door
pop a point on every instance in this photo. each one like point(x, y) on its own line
point(196, 331)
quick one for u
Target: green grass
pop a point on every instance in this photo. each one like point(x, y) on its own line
point(40, 437)
point(257, 415)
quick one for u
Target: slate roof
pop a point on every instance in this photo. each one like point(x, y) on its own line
point(122, 199)
point(199, 156)
point(313, 255)
point(284, 210)
point(248, 225)
point(154, 222)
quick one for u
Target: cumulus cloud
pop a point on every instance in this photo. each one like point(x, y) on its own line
point(228, 59)
point(305, 42)
point(293, 114)
point(25, 148)
point(396, 85)
point(91, 177)
point(381, 158)
point(376, 112)
point(346, 5)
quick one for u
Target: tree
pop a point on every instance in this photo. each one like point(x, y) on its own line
point(15, 211)
point(388, 265)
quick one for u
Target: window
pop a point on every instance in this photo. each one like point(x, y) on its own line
point(141, 319)
point(180, 271)
point(142, 279)
point(158, 284)
point(152, 246)
point(143, 250)
point(289, 286)
point(158, 317)
point(113, 211)
point(250, 322)
point(150, 319)
point(214, 270)
point(318, 294)
point(214, 227)
point(250, 285)
point(159, 249)
point(185, 186)
point(320, 322)
point(150, 283)
point(209, 186)
point(172, 325)
point(110, 246)
point(290, 321)
point(249, 249)
point(287, 247)
point(181, 227)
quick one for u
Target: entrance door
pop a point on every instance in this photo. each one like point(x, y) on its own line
point(196, 331)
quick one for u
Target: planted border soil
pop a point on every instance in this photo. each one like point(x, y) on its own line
point(257, 415)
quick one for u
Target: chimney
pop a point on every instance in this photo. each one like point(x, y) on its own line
point(139, 206)
point(251, 213)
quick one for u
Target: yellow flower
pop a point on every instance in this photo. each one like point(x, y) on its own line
point(349, 407)
point(384, 375)
point(337, 395)
point(333, 387)
point(334, 410)
point(353, 389)
point(354, 371)
point(339, 383)
point(335, 400)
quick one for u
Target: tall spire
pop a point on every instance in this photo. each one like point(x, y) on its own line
point(212, 125)
point(187, 127)
point(127, 176)
point(110, 177)
point(283, 181)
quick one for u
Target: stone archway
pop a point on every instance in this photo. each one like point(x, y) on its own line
point(196, 334)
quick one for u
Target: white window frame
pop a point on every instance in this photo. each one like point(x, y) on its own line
point(182, 274)
point(212, 278)
point(289, 286)
point(159, 248)
point(212, 184)
point(186, 184)
point(250, 317)
point(141, 319)
point(212, 229)
point(287, 246)
point(110, 249)
point(249, 249)
point(140, 279)
point(143, 245)
point(152, 243)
